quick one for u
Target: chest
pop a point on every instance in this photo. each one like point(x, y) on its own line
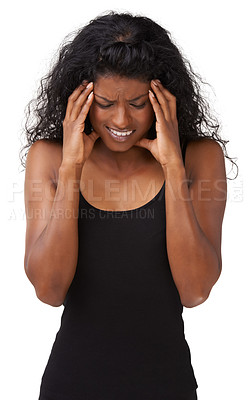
point(111, 192)
point(108, 191)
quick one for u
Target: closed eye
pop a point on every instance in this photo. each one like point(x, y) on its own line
point(102, 106)
point(109, 105)
point(140, 106)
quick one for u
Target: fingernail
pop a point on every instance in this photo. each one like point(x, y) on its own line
point(151, 93)
point(89, 85)
point(154, 82)
point(90, 94)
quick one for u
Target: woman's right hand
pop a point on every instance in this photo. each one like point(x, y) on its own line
point(77, 146)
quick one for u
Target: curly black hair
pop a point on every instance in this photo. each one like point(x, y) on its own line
point(128, 46)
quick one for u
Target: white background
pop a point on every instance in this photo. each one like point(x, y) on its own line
point(215, 37)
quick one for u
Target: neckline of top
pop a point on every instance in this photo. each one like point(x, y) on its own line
point(125, 211)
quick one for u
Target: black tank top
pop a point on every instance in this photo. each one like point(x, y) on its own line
point(122, 334)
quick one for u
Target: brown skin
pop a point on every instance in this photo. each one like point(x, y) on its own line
point(77, 147)
point(193, 219)
point(122, 114)
point(194, 214)
point(114, 166)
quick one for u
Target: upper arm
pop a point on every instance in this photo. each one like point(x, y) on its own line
point(208, 190)
point(39, 191)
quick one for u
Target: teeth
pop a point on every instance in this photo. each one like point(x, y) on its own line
point(127, 133)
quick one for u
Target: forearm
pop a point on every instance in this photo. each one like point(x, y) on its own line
point(52, 263)
point(193, 261)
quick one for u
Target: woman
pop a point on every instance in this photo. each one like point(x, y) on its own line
point(126, 227)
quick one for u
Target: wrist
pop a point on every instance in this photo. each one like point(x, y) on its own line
point(173, 166)
point(70, 171)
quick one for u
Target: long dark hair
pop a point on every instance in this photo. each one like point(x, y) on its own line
point(128, 46)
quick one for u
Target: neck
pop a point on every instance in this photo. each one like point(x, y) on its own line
point(122, 162)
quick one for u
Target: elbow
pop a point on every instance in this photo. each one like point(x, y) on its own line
point(192, 300)
point(46, 294)
point(50, 297)
point(194, 297)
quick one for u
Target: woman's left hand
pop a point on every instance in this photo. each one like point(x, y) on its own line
point(166, 147)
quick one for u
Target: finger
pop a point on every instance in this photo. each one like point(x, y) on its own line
point(162, 101)
point(78, 104)
point(85, 108)
point(73, 97)
point(171, 100)
point(157, 109)
point(93, 136)
point(144, 143)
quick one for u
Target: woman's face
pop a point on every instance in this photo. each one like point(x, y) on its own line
point(121, 105)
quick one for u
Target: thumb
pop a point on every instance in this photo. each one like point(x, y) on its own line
point(93, 136)
point(145, 143)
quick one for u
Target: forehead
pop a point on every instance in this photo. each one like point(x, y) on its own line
point(115, 86)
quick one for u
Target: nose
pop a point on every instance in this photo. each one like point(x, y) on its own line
point(121, 118)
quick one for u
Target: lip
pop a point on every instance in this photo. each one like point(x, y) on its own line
point(119, 138)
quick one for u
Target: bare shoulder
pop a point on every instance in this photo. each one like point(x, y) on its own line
point(46, 153)
point(202, 154)
point(205, 142)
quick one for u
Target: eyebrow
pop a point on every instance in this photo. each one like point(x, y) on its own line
point(112, 101)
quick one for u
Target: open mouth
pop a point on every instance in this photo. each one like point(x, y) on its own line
point(121, 136)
